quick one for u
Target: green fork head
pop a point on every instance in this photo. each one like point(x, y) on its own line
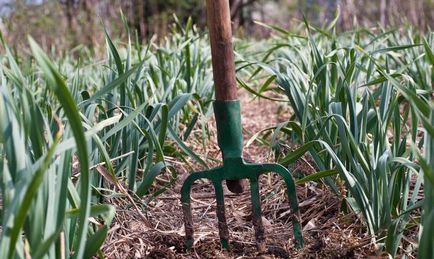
point(229, 132)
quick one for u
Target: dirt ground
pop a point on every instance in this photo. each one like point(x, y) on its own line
point(156, 230)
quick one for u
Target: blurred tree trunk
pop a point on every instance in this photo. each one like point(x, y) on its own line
point(143, 17)
point(332, 6)
point(383, 12)
point(90, 24)
point(241, 12)
point(139, 8)
point(391, 11)
point(348, 14)
point(421, 19)
point(413, 12)
point(70, 14)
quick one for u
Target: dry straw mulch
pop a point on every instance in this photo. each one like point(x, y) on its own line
point(328, 232)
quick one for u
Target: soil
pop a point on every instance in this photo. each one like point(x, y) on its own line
point(328, 231)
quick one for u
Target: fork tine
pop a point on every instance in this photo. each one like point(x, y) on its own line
point(186, 209)
point(188, 223)
point(221, 215)
point(244, 171)
point(257, 218)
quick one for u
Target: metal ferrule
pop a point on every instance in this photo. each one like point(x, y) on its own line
point(228, 120)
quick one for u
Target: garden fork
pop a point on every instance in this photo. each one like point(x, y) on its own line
point(230, 140)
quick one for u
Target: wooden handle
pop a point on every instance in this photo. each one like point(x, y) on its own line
point(220, 32)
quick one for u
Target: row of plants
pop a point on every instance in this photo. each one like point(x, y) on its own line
point(362, 107)
point(76, 131)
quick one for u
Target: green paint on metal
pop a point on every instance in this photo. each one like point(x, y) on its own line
point(230, 141)
point(229, 129)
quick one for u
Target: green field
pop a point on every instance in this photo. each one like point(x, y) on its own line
point(76, 130)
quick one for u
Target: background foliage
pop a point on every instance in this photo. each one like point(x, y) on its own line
point(69, 23)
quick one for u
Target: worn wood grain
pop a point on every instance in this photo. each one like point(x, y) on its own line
point(220, 31)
